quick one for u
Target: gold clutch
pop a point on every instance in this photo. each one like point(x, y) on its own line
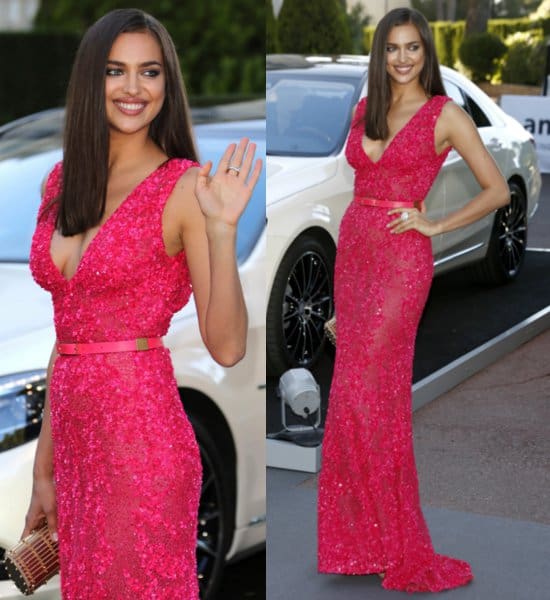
point(33, 561)
point(330, 330)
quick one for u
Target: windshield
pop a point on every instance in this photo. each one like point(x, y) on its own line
point(29, 149)
point(307, 116)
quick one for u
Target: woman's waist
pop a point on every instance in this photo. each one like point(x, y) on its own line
point(385, 203)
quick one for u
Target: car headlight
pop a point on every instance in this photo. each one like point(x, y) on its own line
point(22, 398)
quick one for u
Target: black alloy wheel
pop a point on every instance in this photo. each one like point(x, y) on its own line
point(300, 303)
point(214, 517)
point(508, 242)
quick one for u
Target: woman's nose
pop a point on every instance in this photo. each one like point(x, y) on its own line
point(131, 84)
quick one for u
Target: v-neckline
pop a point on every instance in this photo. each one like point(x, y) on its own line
point(381, 157)
point(92, 242)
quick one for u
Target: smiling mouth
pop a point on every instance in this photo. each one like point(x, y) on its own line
point(130, 108)
point(403, 69)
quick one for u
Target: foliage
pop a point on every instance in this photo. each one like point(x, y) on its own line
point(272, 39)
point(447, 39)
point(219, 43)
point(543, 11)
point(479, 52)
point(449, 35)
point(357, 19)
point(41, 58)
point(318, 27)
point(524, 61)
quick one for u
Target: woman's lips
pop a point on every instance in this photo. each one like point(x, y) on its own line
point(130, 108)
point(403, 70)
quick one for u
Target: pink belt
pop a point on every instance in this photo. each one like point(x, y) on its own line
point(100, 347)
point(383, 203)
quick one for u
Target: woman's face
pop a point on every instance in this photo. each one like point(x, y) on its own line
point(134, 82)
point(404, 54)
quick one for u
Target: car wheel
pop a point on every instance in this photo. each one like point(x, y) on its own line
point(301, 301)
point(215, 510)
point(508, 241)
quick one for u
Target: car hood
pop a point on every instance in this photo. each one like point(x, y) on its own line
point(288, 175)
point(26, 308)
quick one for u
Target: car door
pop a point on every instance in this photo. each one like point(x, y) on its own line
point(460, 186)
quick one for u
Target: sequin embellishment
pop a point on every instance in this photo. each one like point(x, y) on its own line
point(126, 462)
point(369, 514)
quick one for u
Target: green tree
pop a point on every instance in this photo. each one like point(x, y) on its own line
point(272, 40)
point(221, 45)
point(314, 27)
point(358, 19)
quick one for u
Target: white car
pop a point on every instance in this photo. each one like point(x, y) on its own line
point(310, 184)
point(226, 406)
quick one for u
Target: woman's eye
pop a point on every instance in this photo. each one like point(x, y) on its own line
point(152, 73)
point(414, 47)
point(113, 72)
point(390, 48)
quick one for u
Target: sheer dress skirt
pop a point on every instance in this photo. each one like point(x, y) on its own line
point(369, 516)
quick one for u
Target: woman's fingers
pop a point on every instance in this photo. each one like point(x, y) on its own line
point(247, 162)
point(237, 158)
point(255, 175)
point(224, 160)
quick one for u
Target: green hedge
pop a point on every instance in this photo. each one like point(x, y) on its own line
point(449, 35)
point(36, 75)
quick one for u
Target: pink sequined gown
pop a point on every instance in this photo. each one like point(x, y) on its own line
point(126, 463)
point(369, 514)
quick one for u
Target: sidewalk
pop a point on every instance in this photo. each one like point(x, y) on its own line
point(483, 455)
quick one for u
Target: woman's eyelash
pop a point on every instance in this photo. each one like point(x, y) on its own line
point(115, 72)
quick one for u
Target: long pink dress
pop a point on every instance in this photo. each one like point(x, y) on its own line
point(126, 463)
point(369, 514)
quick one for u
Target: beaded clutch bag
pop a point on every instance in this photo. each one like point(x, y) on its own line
point(33, 560)
point(330, 330)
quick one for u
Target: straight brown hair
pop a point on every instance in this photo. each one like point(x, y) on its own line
point(379, 88)
point(86, 136)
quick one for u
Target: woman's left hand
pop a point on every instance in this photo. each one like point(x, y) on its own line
point(224, 195)
point(414, 220)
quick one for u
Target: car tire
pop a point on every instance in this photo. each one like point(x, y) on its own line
point(216, 518)
point(301, 301)
point(508, 242)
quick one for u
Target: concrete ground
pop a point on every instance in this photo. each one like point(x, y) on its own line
point(483, 456)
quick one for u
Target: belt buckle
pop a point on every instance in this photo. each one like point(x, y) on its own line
point(142, 344)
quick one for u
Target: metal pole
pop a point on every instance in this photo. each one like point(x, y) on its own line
point(546, 72)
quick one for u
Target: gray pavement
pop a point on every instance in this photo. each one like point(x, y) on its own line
point(483, 455)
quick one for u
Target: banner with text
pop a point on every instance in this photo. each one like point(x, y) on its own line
point(533, 112)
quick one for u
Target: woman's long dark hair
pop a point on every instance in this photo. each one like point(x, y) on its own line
point(86, 137)
point(379, 89)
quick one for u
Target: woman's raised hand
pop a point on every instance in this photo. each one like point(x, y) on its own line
point(224, 195)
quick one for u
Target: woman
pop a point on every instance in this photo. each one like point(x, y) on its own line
point(370, 519)
point(128, 223)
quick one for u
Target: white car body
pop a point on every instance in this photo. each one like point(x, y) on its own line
point(308, 195)
point(238, 393)
point(306, 192)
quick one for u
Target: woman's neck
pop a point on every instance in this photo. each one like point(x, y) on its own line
point(125, 149)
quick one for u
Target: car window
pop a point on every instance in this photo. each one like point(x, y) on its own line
point(479, 117)
point(468, 104)
point(307, 117)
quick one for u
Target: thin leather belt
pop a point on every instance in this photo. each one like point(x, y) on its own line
point(101, 347)
point(383, 203)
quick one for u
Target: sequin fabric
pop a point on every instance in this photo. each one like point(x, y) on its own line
point(369, 514)
point(126, 463)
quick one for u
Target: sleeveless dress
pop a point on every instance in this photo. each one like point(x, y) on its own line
point(127, 467)
point(369, 514)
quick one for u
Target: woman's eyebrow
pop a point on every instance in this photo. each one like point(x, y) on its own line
point(147, 63)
